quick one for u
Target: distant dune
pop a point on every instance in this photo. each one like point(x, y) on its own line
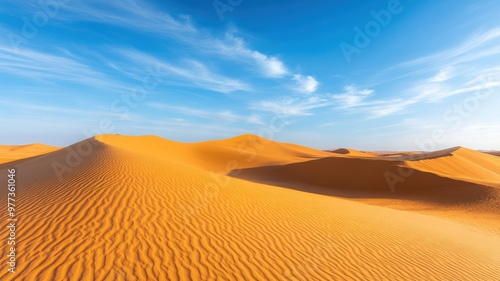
point(496, 153)
point(247, 208)
point(10, 153)
point(352, 152)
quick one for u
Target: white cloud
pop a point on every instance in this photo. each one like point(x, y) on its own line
point(146, 19)
point(271, 66)
point(236, 48)
point(306, 84)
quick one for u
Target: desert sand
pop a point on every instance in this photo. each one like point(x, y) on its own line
point(9, 153)
point(145, 208)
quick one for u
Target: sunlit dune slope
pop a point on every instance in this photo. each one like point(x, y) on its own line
point(112, 209)
point(462, 164)
point(218, 156)
point(10, 153)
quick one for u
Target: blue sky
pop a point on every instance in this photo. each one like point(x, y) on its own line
point(373, 75)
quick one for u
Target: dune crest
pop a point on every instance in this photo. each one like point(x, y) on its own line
point(238, 152)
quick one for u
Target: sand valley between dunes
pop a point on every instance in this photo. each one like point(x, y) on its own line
point(146, 208)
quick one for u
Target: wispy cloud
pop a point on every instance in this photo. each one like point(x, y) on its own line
point(130, 15)
point(352, 97)
point(328, 124)
point(235, 48)
point(469, 50)
point(67, 111)
point(292, 106)
point(443, 75)
point(191, 72)
point(224, 116)
point(148, 19)
point(479, 46)
point(487, 81)
point(455, 71)
point(145, 18)
point(39, 65)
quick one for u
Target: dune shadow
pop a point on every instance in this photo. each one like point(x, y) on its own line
point(355, 178)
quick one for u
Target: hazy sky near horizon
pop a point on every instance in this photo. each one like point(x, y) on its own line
point(373, 75)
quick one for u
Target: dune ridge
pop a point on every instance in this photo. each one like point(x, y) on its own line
point(145, 208)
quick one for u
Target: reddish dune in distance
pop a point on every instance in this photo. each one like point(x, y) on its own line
point(495, 153)
point(247, 208)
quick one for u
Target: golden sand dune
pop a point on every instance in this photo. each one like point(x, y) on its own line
point(145, 208)
point(462, 164)
point(419, 171)
point(10, 153)
point(456, 183)
point(218, 156)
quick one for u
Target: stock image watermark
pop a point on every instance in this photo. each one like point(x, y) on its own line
point(249, 147)
point(11, 221)
point(47, 9)
point(453, 119)
point(122, 106)
point(223, 6)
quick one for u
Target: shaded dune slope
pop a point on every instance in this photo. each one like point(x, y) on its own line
point(440, 169)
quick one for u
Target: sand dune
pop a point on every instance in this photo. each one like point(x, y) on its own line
point(455, 183)
point(352, 152)
point(433, 169)
point(145, 208)
point(218, 156)
point(10, 153)
point(495, 153)
point(462, 164)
